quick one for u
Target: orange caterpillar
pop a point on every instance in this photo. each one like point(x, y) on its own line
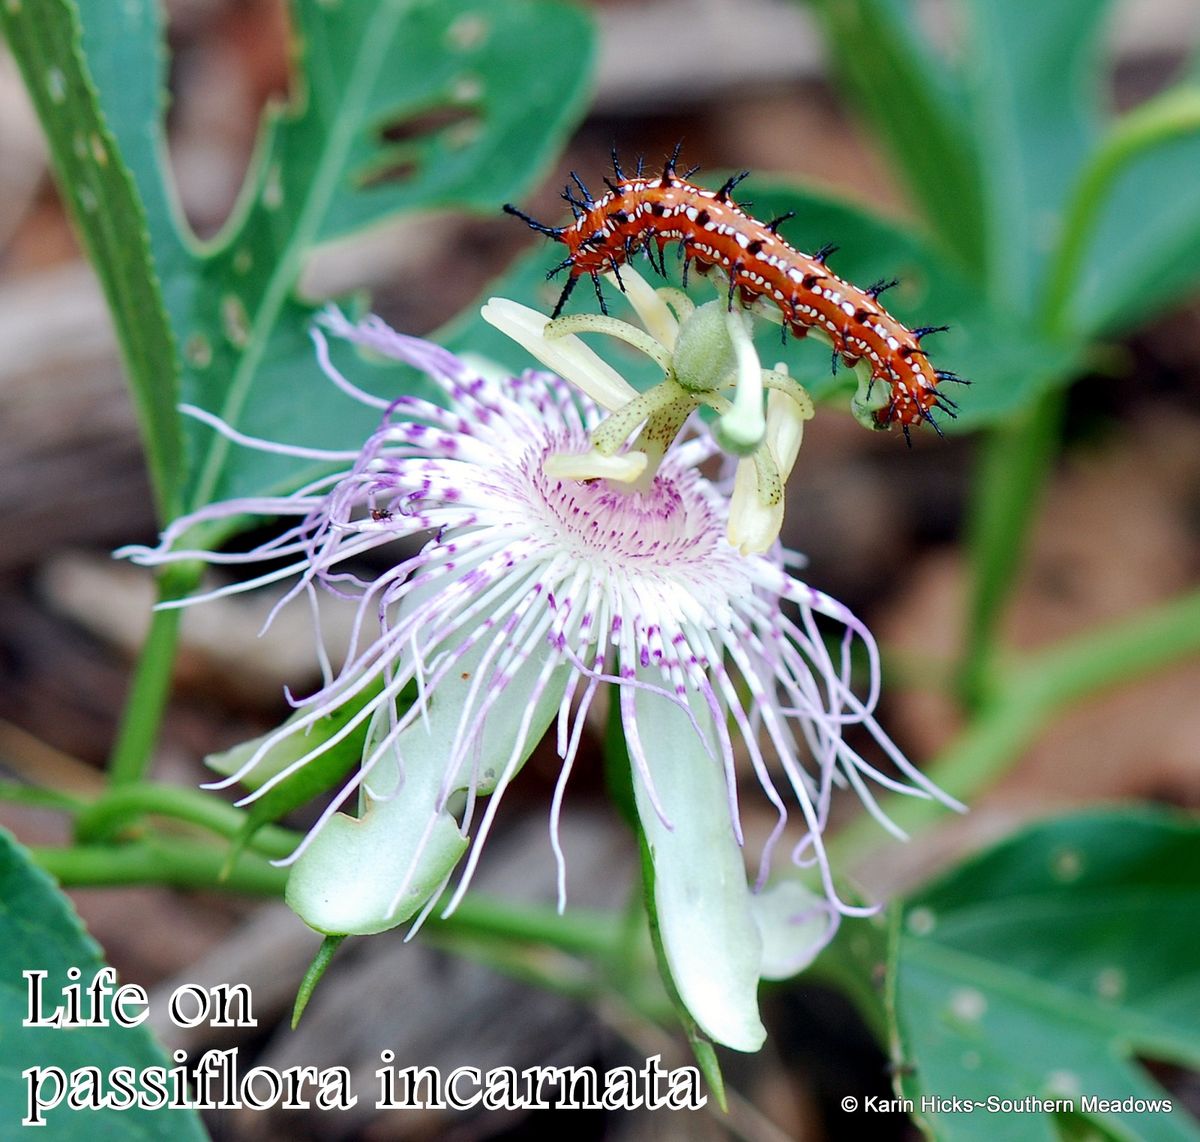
point(712, 230)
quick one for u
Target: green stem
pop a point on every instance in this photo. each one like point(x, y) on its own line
point(18, 793)
point(1035, 691)
point(579, 954)
point(147, 700)
point(1015, 463)
point(1171, 115)
point(106, 818)
point(593, 934)
point(172, 861)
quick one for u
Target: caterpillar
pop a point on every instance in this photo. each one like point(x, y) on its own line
point(641, 213)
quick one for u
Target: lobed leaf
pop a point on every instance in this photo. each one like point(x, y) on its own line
point(394, 106)
point(43, 933)
point(1052, 966)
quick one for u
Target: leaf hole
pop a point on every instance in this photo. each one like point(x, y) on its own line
point(455, 126)
point(431, 121)
point(398, 170)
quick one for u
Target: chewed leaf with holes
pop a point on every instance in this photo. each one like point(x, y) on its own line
point(1056, 966)
point(393, 105)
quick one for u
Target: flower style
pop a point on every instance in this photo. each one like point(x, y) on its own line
point(528, 593)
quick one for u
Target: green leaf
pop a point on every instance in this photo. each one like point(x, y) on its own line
point(917, 105)
point(855, 962)
point(395, 106)
point(44, 37)
point(1009, 365)
point(367, 75)
point(42, 933)
point(1143, 251)
point(1049, 966)
point(1032, 82)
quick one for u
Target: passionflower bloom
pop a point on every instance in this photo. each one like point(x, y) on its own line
point(516, 597)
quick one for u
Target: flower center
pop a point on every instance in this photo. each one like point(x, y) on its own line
point(670, 522)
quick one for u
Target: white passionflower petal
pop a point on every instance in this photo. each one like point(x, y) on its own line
point(567, 356)
point(404, 844)
point(795, 924)
point(704, 905)
point(519, 594)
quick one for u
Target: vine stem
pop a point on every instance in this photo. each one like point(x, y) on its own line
point(174, 860)
point(1033, 691)
point(1015, 463)
point(111, 813)
point(590, 933)
point(151, 683)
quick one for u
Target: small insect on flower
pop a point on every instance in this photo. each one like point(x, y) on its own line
point(528, 594)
